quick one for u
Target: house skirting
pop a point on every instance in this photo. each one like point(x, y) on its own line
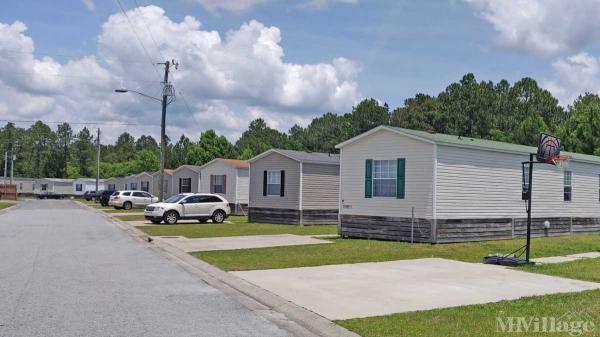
point(459, 230)
point(293, 216)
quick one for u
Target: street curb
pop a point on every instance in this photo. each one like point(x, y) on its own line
point(9, 208)
point(285, 314)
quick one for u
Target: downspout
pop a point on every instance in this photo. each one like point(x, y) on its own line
point(434, 197)
point(301, 192)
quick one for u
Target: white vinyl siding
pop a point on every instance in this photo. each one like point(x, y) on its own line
point(386, 145)
point(320, 186)
point(188, 173)
point(487, 184)
point(275, 162)
point(220, 168)
point(242, 186)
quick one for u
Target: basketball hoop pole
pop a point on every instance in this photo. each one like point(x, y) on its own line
point(529, 184)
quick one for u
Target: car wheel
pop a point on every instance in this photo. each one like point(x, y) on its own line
point(218, 216)
point(202, 220)
point(171, 218)
point(127, 206)
point(156, 222)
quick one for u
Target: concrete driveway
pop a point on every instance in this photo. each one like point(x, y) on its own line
point(238, 242)
point(373, 289)
point(65, 270)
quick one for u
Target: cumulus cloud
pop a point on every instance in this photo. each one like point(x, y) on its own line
point(229, 5)
point(574, 76)
point(542, 26)
point(89, 5)
point(227, 79)
point(322, 4)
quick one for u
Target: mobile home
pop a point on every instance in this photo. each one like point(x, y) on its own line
point(82, 185)
point(294, 187)
point(399, 184)
point(186, 179)
point(54, 186)
point(144, 181)
point(229, 178)
point(167, 185)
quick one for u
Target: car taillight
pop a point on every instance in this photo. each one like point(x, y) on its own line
point(116, 197)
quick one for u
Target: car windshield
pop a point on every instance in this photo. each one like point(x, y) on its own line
point(175, 198)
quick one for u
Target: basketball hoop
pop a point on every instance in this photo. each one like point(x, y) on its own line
point(560, 161)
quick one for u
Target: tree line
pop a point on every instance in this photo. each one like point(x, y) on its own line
point(500, 111)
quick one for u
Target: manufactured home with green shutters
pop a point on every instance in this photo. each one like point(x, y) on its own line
point(294, 187)
point(400, 184)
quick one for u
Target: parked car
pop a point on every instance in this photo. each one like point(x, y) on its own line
point(131, 199)
point(104, 197)
point(200, 206)
point(89, 195)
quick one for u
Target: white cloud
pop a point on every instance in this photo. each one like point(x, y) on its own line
point(229, 5)
point(542, 26)
point(227, 79)
point(89, 5)
point(574, 76)
point(322, 4)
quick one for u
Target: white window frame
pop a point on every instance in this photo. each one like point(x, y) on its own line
point(272, 176)
point(78, 187)
point(221, 183)
point(568, 184)
point(184, 183)
point(394, 173)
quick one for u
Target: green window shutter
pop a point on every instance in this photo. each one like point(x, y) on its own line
point(369, 178)
point(400, 178)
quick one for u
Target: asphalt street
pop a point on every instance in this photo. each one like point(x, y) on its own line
point(67, 271)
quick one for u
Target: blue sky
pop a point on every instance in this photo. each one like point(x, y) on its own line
point(399, 48)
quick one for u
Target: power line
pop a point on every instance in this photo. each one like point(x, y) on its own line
point(76, 123)
point(137, 36)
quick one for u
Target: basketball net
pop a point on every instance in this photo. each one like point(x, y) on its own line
point(560, 161)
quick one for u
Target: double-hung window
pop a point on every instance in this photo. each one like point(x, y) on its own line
point(568, 188)
point(185, 185)
point(384, 178)
point(133, 186)
point(219, 184)
point(78, 187)
point(145, 186)
point(274, 183)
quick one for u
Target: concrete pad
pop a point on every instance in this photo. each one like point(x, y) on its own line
point(590, 255)
point(373, 289)
point(238, 242)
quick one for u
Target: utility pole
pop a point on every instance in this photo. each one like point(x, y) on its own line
point(5, 166)
point(12, 167)
point(163, 146)
point(97, 161)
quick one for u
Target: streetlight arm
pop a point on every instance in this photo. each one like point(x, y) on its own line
point(137, 92)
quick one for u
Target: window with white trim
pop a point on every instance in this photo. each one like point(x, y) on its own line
point(219, 184)
point(274, 183)
point(133, 186)
point(78, 187)
point(568, 188)
point(384, 178)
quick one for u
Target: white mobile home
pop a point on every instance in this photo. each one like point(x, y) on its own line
point(294, 187)
point(167, 185)
point(54, 186)
point(440, 188)
point(229, 178)
point(24, 185)
point(186, 179)
point(113, 184)
point(82, 185)
point(130, 183)
point(144, 181)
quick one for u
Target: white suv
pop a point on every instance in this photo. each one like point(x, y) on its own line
point(130, 199)
point(200, 206)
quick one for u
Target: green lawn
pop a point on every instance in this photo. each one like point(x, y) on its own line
point(5, 205)
point(239, 226)
point(584, 269)
point(478, 320)
point(119, 211)
point(132, 217)
point(355, 251)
